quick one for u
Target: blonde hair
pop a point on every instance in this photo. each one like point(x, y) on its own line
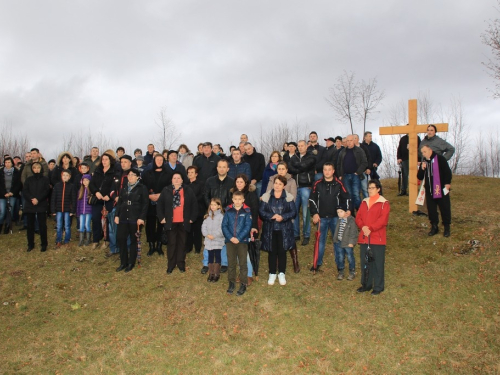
point(210, 212)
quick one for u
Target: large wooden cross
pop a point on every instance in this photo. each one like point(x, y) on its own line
point(412, 129)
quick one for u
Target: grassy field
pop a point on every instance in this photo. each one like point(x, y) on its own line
point(67, 311)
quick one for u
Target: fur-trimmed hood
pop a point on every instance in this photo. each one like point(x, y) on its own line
point(265, 197)
point(251, 187)
point(59, 158)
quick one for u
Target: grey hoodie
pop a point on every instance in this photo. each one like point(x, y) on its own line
point(439, 146)
point(213, 226)
point(350, 235)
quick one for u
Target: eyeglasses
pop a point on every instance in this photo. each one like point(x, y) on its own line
point(372, 187)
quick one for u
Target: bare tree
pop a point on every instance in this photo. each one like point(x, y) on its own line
point(168, 133)
point(491, 38)
point(458, 133)
point(369, 98)
point(272, 138)
point(343, 98)
point(80, 143)
point(13, 143)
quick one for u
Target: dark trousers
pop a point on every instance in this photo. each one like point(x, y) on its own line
point(214, 256)
point(193, 238)
point(405, 171)
point(96, 222)
point(237, 253)
point(375, 268)
point(277, 253)
point(123, 231)
point(41, 217)
point(176, 253)
point(153, 229)
point(444, 206)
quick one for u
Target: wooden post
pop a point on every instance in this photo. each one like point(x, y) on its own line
point(412, 129)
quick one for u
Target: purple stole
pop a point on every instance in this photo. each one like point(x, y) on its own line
point(437, 192)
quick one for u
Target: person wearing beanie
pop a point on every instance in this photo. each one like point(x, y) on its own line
point(84, 210)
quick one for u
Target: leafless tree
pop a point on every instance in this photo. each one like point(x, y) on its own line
point(369, 98)
point(457, 134)
point(343, 98)
point(13, 143)
point(491, 38)
point(80, 143)
point(168, 133)
point(272, 138)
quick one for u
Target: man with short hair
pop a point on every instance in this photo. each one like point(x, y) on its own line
point(301, 167)
point(367, 172)
point(35, 157)
point(375, 155)
point(338, 142)
point(318, 152)
point(351, 164)
point(218, 186)
point(241, 147)
point(257, 164)
point(403, 159)
point(328, 195)
point(244, 138)
point(148, 158)
point(206, 162)
point(93, 160)
point(238, 166)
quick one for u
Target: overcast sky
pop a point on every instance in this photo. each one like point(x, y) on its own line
point(223, 68)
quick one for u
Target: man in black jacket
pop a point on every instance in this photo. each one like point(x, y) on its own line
point(206, 162)
point(257, 165)
point(437, 175)
point(302, 166)
point(403, 158)
point(328, 194)
point(318, 151)
point(219, 186)
point(351, 165)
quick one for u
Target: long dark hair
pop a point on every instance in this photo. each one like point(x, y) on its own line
point(244, 178)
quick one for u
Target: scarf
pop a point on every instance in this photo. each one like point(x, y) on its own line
point(177, 197)
point(273, 166)
point(130, 186)
point(436, 178)
point(8, 172)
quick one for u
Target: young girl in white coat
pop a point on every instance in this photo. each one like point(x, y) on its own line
point(214, 238)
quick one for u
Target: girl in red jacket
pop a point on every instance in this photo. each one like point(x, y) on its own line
point(372, 219)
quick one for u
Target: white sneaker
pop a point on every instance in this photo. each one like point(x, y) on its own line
point(281, 278)
point(272, 279)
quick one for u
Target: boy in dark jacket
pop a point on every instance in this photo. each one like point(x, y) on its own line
point(346, 236)
point(63, 206)
point(236, 227)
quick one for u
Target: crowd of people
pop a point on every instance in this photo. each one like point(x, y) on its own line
point(229, 199)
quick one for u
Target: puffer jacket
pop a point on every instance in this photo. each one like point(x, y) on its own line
point(36, 186)
point(252, 201)
point(213, 226)
point(302, 168)
point(376, 219)
point(63, 198)
point(284, 206)
point(237, 223)
point(82, 205)
point(438, 145)
point(290, 187)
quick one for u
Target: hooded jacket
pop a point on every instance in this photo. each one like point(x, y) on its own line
point(284, 206)
point(290, 187)
point(55, 175)
point(252, 201)
point(27, 171)
point(213, 226)
point(438, 145)
point(237, 223)
point(376, 219)
point(36, 186)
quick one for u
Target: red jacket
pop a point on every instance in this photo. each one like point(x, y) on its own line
point(376, 218)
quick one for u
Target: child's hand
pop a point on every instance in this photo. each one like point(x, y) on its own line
point(235, 240)
point(117, 220)
point(351, 245)
point(210, 237)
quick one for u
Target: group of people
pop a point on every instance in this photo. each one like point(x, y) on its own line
point(230, 200)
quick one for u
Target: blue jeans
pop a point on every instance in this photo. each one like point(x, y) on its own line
point(223, 255)
point(112, 232)
point(326, 223)
point(302, 200)
point(317, 176)
point(340, 253)
point(84, 221)
point(63, 218)
point(364, 185)
point(3, 208)
point(353, 185)
point(258, 188)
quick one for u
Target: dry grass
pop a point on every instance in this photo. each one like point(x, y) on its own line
point(68, 311)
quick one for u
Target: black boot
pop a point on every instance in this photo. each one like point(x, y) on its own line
point(129, 268)
point(6, 229)
point(446, 232)
point(158, 248)
point(151, 249)
point(232, 287)
point(242, 290)
point(121, 268)
point(434, 230)
point(1, 226)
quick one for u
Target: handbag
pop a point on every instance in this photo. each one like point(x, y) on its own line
point(92, 200)
point(421, 194)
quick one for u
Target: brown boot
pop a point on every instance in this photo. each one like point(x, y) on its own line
point(295, 260)
point(216, 272)
point(211, 275)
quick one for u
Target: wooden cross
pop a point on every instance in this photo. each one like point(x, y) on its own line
point(412, 129)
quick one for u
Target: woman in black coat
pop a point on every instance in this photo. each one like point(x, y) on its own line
point(177, 209)
point(131, 210)
point(277, 210)
point(155, 180)
point(194, 237)
point(36, 191)
point(102, 187)
point(10, 186)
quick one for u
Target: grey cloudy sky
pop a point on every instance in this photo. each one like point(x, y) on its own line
point(227, 67)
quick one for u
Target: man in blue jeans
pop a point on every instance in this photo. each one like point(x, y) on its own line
point(351, 165)
point(302, 167)
point(328, 194)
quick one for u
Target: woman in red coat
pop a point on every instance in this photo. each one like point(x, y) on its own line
point(372, 219)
